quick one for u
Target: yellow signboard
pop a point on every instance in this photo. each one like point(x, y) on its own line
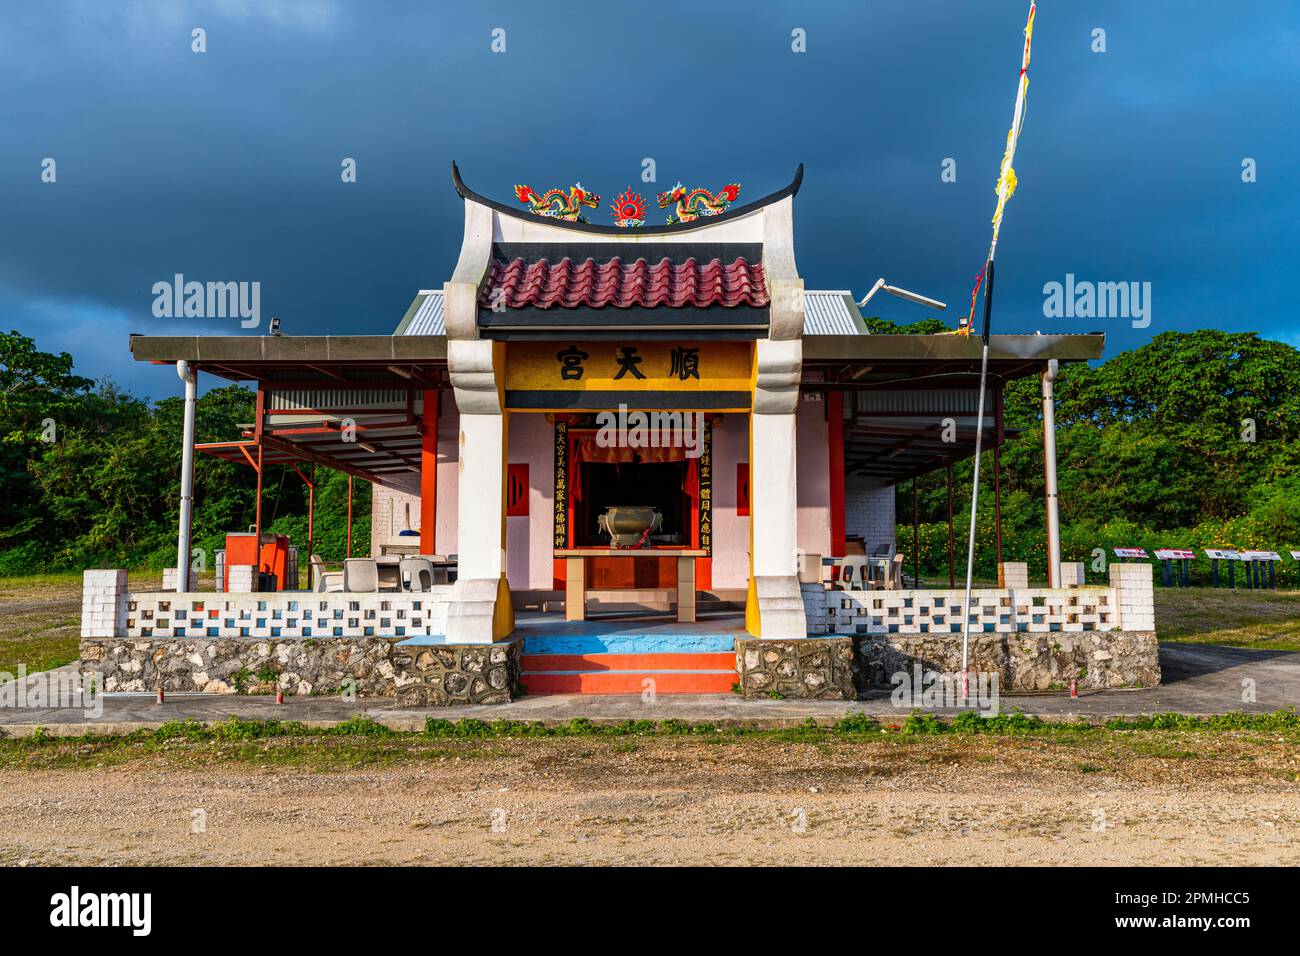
point(661, 374)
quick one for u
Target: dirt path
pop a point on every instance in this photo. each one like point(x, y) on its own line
point(1157, 800)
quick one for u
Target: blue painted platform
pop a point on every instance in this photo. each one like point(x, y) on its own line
point(641, 634)
point(423, 640)
point(629, 644)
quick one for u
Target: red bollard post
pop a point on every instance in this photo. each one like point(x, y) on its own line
point(279, 696)
point(1074, 689)
point(160, 695)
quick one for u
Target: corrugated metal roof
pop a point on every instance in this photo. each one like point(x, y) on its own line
point(825, 313)
point(831, 313)
point(424, 317)
point(923, 401)
point(337, 399)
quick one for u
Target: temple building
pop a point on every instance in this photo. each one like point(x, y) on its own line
point(587, 422)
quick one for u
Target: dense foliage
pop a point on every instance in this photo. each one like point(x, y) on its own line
point(1152, 451)
point(91, 475)
point(1150, 446)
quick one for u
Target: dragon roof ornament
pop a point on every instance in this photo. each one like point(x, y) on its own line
point(692, 208)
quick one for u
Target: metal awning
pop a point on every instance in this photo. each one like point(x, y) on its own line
point(824, 350)
point(904, 394)
point(307, 361)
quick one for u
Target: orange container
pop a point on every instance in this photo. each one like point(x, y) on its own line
point(274, 556)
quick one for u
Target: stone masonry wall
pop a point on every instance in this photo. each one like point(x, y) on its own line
point(434, 675)
point(811, 668)
point(1023, 662)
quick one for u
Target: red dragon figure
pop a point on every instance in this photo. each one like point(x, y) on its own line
point(693, 203)
point(556, 204)
point(629, 209)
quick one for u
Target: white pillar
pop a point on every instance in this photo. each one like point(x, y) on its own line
point(1049, 468)
point(775, 610)
point(478, 609)
point(190, 378)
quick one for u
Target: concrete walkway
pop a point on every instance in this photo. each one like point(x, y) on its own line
point(1199, 679)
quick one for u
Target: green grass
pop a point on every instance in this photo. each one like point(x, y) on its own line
point(40, 622)
point(40, 618)
point(1262, 620)
point(362, 742)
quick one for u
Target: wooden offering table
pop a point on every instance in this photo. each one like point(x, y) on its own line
point(575, 579)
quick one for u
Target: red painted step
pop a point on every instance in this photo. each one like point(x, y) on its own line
point(623, 682)
point(725, 661)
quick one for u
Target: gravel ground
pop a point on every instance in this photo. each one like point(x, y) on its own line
point(1113, 798)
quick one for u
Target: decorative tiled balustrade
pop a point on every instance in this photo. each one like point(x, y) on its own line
point(110, 610)
point(163, 614)
point(1126, 605)
point(939, 612)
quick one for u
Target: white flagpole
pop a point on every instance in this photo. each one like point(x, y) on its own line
point(1006, 184)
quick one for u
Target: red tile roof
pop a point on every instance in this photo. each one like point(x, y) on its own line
point(618, 284)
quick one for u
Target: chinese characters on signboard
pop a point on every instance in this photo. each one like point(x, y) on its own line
point(684, 363)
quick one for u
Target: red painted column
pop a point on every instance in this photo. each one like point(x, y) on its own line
point(997, 476)
point(260, 411)
point(349, 516)
point(429, 474)
point(835, 442)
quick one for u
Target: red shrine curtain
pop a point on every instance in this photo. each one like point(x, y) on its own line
point(584, 448)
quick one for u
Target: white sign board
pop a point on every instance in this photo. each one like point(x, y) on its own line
point(1131, 553)
point(1260, 556)
point(1175, 554)
point(1295, 555)
point(1222, 555)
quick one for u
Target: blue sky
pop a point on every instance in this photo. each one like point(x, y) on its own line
point(225, 165)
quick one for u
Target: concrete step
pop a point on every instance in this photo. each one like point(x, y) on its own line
point(725, 661)
point(629, 682)
point(623, 662)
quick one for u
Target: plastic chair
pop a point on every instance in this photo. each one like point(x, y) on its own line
point(360, 575)
point(323, 580)
point(418, 574)
point(853, 573)
point(894, 574)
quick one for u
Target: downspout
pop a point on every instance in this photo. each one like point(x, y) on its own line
point(190, 377)
point(1049, 467)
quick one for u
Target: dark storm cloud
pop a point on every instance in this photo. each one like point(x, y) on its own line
point(225, 165)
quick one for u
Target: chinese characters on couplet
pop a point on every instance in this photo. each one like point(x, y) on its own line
point(684, 363)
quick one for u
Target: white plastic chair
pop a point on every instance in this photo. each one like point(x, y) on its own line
point(323, 580)
point(419, 574)
point(853, 573)
point(361, 575)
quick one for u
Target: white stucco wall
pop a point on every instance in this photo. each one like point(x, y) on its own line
point(730, 531)
point(529, 553)
point(812, 454)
